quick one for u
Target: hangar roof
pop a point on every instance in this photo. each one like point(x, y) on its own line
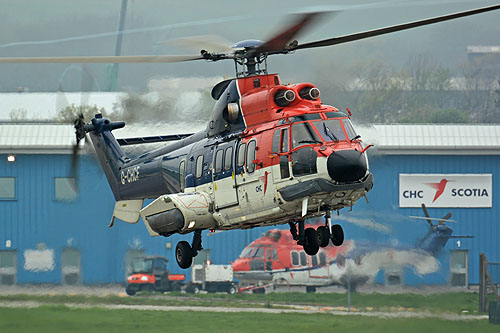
point(424, 139)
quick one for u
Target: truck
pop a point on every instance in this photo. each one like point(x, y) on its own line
point(151, 274)
point(212, 278)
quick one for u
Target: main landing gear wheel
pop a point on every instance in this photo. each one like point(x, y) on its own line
point(311, 245)
point(184, 254)
point(323, 236)
point(337, 235)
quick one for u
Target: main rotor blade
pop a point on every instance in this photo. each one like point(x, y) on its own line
point(281, 40)
point(430, 219)
point(446, 217)
point(394, 28)
point(427, 216)
point(104, 59)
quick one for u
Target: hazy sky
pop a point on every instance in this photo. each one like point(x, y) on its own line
point(75, 28)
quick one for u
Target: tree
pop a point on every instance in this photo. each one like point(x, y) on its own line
point(18, 114)
point(72, 112)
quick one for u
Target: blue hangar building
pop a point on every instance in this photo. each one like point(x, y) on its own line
point(52, 233)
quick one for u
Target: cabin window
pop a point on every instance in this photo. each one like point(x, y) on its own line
point(275, 254)
point(330, 130)
point(199, 166)
point(303, 134)
point(241, 154)
point(228, 159)
point(218, 160)
point(295, 258)
point(351, 134)
point(304, 162)
point(303, 258)
point(251, 156)
point(182, 174)
point(322, 259)
point(314, 261)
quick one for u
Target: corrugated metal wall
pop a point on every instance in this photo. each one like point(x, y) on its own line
point(35, 218)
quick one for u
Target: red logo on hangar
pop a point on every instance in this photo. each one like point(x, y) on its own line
point(439, 187)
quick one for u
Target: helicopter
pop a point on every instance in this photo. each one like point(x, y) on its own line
point(274, 258)
point(271, 153)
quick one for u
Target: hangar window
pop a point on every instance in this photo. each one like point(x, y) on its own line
point(218, 160)
point(228, 159)
point(252, 147)
point(70, 266)
point(295, 258)
point(8, 267)
point(199, 166)
point(7, 188)
point(64, 189)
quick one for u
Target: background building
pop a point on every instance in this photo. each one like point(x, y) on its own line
point(50, 233)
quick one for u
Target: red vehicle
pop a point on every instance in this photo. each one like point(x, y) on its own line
point(151, 274)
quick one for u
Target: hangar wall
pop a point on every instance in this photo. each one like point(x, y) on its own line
point(47, 240)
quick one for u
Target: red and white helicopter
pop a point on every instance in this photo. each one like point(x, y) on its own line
point(271, 153)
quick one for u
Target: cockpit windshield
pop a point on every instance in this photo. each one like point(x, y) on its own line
point(251, 252)
point(303, 134)
point(330, 130)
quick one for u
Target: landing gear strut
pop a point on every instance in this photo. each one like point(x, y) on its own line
point(184, 252)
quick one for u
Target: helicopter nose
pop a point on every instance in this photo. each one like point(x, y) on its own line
point(346, 165)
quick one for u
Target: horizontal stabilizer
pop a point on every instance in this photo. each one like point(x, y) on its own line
point(152, 139)
point(128, 210)
point(460, 236)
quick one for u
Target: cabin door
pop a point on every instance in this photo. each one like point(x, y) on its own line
point(281, 167)
point(223, 175)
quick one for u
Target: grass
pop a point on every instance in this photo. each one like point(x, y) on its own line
point(59, 318)
point(438, 302)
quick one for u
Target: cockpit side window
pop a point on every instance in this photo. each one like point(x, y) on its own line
point(284, 141)
point(351, 134)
